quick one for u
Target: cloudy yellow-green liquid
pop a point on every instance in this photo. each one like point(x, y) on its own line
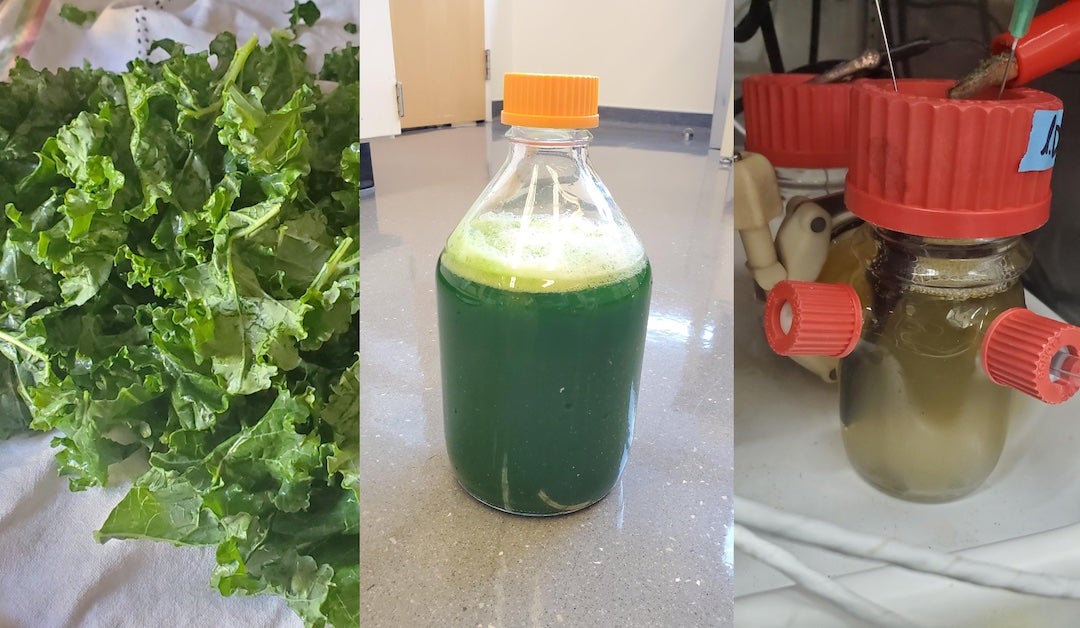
point(921, 420)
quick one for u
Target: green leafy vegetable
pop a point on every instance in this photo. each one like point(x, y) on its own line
point(76, 16)
point(306, 12)
point(14, 415)
point(350, 28)
point(178, 277)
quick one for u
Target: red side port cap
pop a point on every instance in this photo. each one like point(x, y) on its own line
point(797, 124)
point(808, 318)
point(1021, 348)
point(927, 165)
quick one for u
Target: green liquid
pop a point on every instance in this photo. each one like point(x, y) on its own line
point(539, 389)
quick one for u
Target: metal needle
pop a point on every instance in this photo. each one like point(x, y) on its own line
point(885, 36)
point(1023, 13)
point(1005, 74)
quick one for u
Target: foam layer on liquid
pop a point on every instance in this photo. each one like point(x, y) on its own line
point(544, 253)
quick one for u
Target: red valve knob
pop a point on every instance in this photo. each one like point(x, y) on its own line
point(808, 318)
point(1024, 350)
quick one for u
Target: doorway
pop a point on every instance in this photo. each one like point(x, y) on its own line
point(440, 61)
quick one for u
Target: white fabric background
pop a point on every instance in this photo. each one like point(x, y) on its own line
point(114, 37)
point(52, 572)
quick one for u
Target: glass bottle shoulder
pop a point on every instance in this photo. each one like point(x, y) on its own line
point(546, 223)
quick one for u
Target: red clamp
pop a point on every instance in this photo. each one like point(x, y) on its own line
point(1052, 42)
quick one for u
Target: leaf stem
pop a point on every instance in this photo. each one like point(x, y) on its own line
point(260, 223)
point(352, 261)
point(8, 338)
point(236, 66)
point(331, 265)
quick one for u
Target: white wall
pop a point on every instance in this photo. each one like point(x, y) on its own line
point(498, 38)
point(649, 54)
point(378, 98)
point(843, 34)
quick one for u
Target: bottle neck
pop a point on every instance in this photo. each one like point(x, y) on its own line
point(549, 137)
point(549, 158)
point(936, 264)
point(812, 183)
point(946, 248)
point(528, 141)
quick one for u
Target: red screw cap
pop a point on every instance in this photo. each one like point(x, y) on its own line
point(1021, 347)
point(928, 165)
point(795, 123)
point(808, 318)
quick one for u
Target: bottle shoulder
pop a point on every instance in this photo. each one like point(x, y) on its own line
point(546, 223)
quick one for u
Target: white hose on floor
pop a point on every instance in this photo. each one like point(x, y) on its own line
point(831, 537)
point(814, 581)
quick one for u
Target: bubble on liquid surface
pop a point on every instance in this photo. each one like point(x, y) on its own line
point(542, 253)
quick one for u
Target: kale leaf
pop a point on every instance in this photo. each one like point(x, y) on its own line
point(305, 12)
point(75, 15)
point(178, 278)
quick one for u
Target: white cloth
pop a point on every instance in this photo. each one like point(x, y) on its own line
point(124, 29)
point(52, 572)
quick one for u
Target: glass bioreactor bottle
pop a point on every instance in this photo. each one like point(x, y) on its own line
point(793, 170)
point(543, 300)
point(933, 333)
point(801, 128)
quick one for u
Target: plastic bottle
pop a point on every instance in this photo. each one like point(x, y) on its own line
point(933, 334)
point(543, 298)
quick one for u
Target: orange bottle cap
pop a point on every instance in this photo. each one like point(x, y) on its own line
point(809, 318)
point(1020, 348)
point(551, 101)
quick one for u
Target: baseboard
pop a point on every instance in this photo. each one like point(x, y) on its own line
point(638, 116)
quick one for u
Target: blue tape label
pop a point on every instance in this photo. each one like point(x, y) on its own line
point(1043, 141)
